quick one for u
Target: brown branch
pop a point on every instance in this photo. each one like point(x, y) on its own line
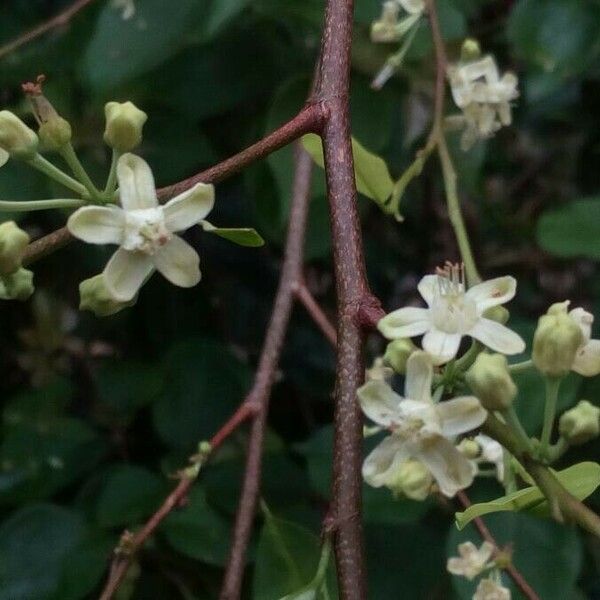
point(317, 314)
point(291, 274)
point(487, 536)
point(122, 559)
point(59, 20)
point(308, 120)
point(352, 292)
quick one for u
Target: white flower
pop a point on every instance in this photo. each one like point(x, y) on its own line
point(491, 452)
point(419, 429)
point(483, 96)
point(127, 6)
point(4, 156)
point(453, 312)
point(144, 230)
point(388, 28)
point(472, 561)
point(490, 589)
point(587, 358)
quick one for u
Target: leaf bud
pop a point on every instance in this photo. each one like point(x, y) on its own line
point(124, 123)
point(95, 297)
point(397, 353)
point(412, 479)
point(491, 382)
point(17, 285)
point(13, 241)
point(580, 424)
point(16, 138)
point(556, 341)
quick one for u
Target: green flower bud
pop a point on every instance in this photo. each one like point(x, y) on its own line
point(471, 50)
point(124, 123)
point(13, 241)
point(580, 424)
point(412, 479)
point(55, 133)
point(491, 382)
point(470, 448)
point(498, 314)
point(16, 138)
point(556, 341)
point(397, 353)
point(95, 297)
point(17, 285)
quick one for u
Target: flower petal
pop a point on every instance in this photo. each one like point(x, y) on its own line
point(497, 337)
point(125, 273)
point(493, 292)
point(189, 208)
point(404, 322)
point(428, 287)
point(4, 156)
point(587, 359)
point(178, 262)
point(98, 224)
point(452, 470)
point(584, 319)
point(419, 375)
point(442, 346)
point(381, 464)
point(460, 415)
point(136, 183)
point(379, 402)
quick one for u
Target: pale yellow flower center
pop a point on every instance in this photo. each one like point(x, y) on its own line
point(145, 230)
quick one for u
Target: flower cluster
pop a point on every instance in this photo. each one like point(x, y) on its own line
point(481, 93)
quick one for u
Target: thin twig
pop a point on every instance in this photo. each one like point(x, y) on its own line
point(122, 561)
point(308, 120)
point(487, 536)
point(307, 300)
point(291, 274)
point(59, 20)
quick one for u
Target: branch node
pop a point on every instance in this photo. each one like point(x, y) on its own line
point(370, 311)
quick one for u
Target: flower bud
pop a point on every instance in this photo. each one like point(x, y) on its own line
point(470, 448)
point(379, 371)
point(13, 241)
point(124, 123)
point(412, 479)
point(16, 138)
point(95, 297)
point(580, 424)
point(491, 382)
point(397, 353)
point(556, 341)
point(498, 314)
point(17, 285)
point(55, 133)
point(471, 50)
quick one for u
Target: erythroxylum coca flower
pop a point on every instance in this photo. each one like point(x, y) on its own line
point(472, 561)
point(492, 453)
point(587, 357)
point(388, 28)
point(453, 312)
point(419, 429)
point(491, 588)
point(144, 230)
point(483, 96)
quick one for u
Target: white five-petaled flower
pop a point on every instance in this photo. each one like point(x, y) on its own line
point(144, 230)
point(419, 428)
point(492, 453)
point(491, 589)
point(453, 312)
point(587, 358)
point(483, 96)
point(472, 561)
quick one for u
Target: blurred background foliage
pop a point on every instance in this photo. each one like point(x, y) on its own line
point(97, 413)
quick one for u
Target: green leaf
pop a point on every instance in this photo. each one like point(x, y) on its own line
point(286, 560)
point(581, 480)
point(572, 230)
point(214, 15)
point(243, 236)
point(372, 175)
point(130, 494)
point(122, 49)
point(204, 384)
point(34, 545)
point(547, 554)
point(198, 531)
